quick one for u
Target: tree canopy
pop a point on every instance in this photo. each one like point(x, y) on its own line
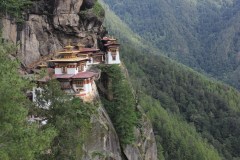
point(14, 7)
point(19, 139)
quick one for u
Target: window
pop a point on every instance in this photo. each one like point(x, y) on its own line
point(81, 68)
point(65, 85)
point(114, 56)
point(79, 83)
point(113, 49)
point(64, 69)
point(97, 59)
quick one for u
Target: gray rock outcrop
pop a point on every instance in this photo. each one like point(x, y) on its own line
point(144, 148)
point(103, 142)
point(49, 25)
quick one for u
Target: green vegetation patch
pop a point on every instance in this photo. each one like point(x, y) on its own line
point(98, 10)
point(69, 116)
point(176, 139)
point(19, 139)
point(14, 7)
point(119, 102)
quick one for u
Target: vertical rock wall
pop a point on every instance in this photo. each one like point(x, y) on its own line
point(49, 25)
point(103, 142)
point(144, 147)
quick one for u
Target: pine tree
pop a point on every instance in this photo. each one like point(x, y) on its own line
point(19, 139)
point(69, 115)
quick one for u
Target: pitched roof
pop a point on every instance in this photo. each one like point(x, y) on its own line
point(77, 59)
point(68, 52)
point(83, 75)
point(80, 75)
point(113, 44)
point(63, 76)
point(108, 39)
point(83, 50)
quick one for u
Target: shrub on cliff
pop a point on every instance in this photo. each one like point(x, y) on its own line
point(14, 7)
point(121, 108)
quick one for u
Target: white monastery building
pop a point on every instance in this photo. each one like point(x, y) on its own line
point(71, 67)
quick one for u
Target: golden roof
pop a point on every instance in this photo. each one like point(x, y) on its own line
point(68, 52)
point(76, 59)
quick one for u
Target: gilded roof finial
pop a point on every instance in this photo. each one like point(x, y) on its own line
point(69, 42)
point(69, 47)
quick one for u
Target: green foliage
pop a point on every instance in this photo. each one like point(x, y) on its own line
point(98, 10)
point(19, 139)
point(14, 7)
point(212, 107)
point(121, 105)
point(71, 118)
point(201, 34)
point(176, 139)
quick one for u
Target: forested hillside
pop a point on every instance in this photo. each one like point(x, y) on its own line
point(189, 112)
point(201, 34)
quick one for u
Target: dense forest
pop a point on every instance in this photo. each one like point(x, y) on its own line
point(201, 34)
point(187, 109)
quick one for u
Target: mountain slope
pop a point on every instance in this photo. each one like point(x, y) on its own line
point(201, 34)
point(208, 107)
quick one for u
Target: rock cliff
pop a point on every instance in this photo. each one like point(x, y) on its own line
point(103, 142)
point(48, 26)
point(144, 147)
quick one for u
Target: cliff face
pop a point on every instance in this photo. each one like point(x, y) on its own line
point(49, 25)
point(144, 147)
point(103, 142)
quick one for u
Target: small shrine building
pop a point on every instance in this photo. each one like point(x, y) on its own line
point(112, 50)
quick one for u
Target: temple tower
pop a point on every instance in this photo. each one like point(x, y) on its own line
point(112, 50)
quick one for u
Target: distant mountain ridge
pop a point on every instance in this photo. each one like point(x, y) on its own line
point(204, 35)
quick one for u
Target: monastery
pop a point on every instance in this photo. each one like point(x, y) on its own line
point(71, 67)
